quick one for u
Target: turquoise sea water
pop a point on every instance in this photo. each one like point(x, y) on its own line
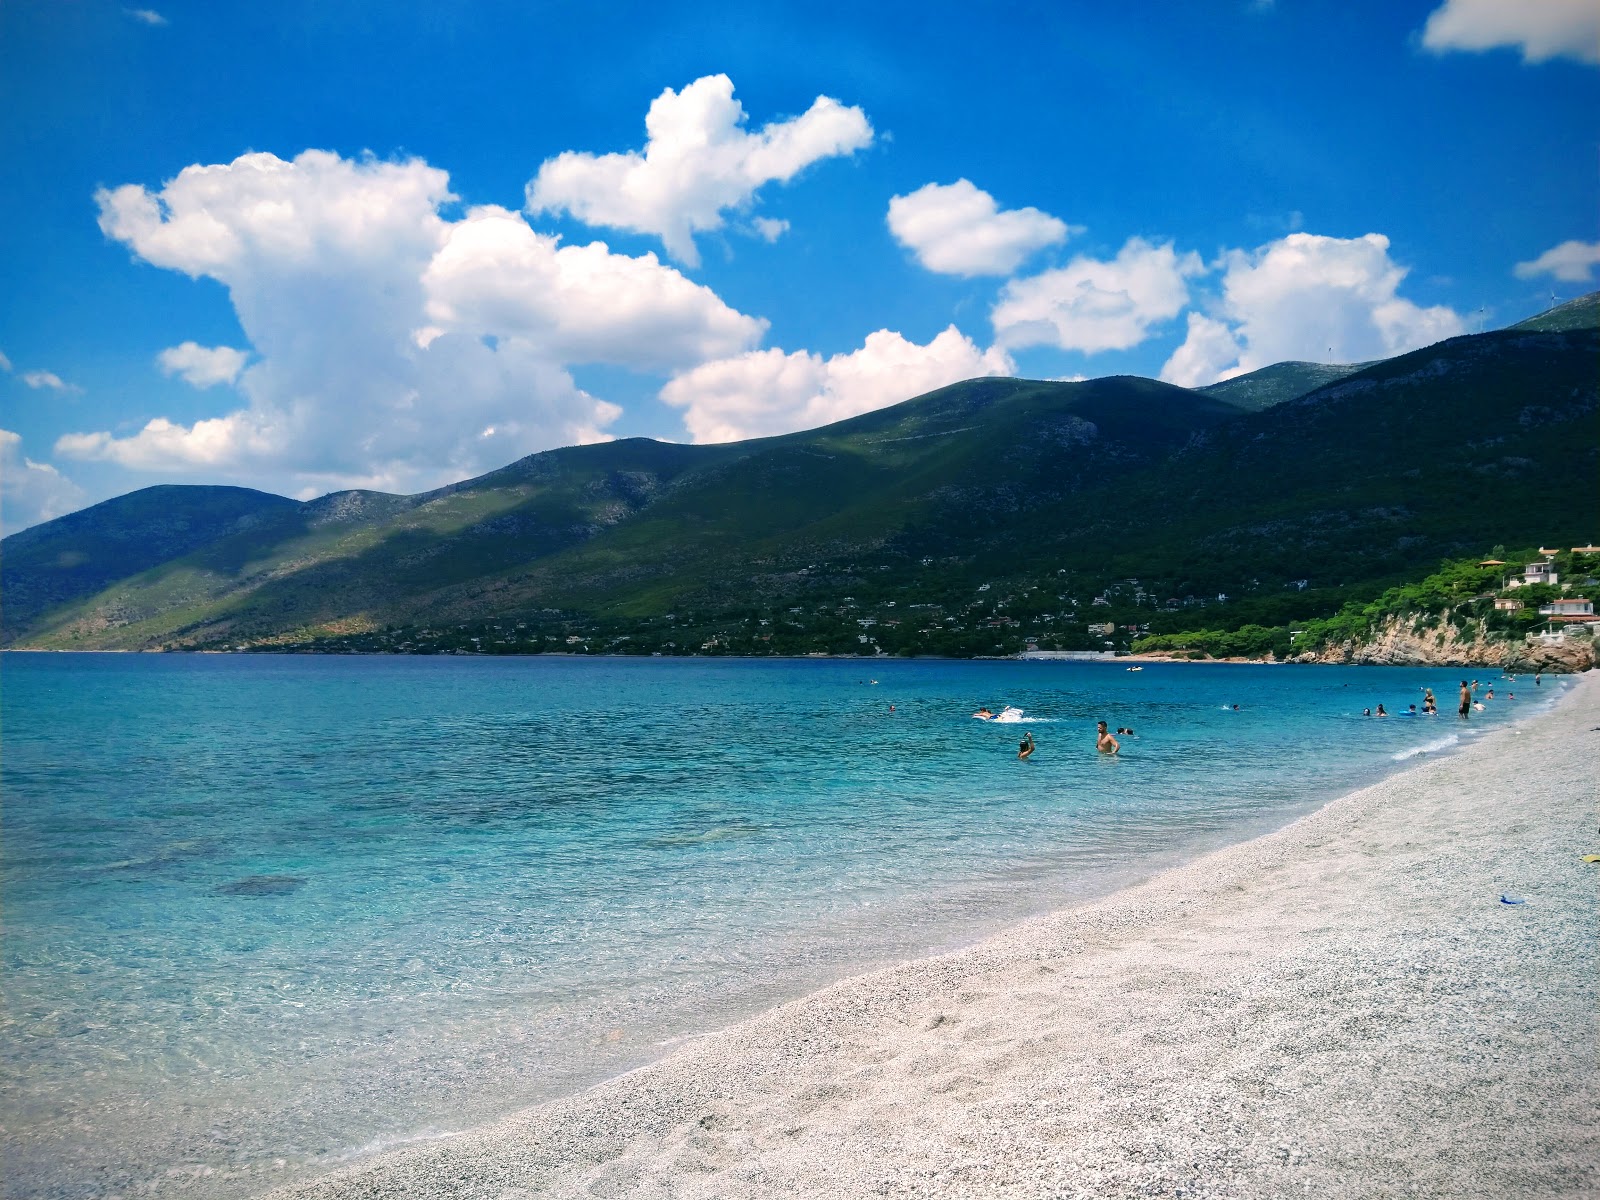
point(265, 914)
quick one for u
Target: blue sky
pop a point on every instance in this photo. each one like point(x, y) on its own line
point(306, 246)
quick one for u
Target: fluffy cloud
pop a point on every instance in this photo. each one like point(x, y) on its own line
point(769, 229)
point(1093, 304)
point(1570, 262)
point(392, 347)
point(958, 229)
point(768, 392)
point(495, 275)
point(146, 16)
point(202, 366)
point(1306, 297)
point(1543, 29)
point(31, 492)
point(698, 162)
point(48, 380)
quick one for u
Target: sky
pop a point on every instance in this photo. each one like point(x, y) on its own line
point(305, 246)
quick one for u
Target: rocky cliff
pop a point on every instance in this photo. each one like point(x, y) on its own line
point(1407, 641)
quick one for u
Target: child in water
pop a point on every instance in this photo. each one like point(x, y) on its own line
point(1026, 748)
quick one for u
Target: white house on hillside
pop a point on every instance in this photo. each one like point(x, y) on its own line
point(1539, 572)
point(1572, 608)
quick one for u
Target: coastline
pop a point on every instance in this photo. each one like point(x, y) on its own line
point(1343, 1005)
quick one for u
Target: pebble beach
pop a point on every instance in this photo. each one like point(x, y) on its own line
point(1392, 996)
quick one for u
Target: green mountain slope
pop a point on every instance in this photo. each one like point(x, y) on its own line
point(1582, 313)
point(1055, 490)
point(1279, 382)
point(83, 553)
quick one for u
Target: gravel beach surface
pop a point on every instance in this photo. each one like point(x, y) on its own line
point(1347, 1007)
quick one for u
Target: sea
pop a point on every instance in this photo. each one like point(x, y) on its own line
point(265, 915)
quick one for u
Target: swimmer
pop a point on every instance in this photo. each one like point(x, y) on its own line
point(1026, 747)
point(1104, 742)
point(1366, 712)
point(1410, 712)
point(1381, 713)
point(983, 714)
point(1489, 695)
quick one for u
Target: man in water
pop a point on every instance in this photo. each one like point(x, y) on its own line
point(1026, 748)
point(1104, 742)
point(1466, 700)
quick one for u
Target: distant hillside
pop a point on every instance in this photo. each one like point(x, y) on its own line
point(1582, 313)
point(1279, 382)
point(999, 507)
point(84, 552)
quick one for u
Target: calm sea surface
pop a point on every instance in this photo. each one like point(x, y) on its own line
point(266, 914)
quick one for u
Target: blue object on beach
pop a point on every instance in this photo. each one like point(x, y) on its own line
point(1504, 899)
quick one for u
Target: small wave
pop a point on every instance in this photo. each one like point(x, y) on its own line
point(380, 1144)
point(1443, 743)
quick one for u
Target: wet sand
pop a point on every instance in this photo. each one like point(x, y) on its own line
point(1345, 1007)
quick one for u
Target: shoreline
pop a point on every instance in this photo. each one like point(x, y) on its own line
point(1062, 656)
point(947, 1074)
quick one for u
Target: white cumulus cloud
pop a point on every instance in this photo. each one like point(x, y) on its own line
point(202, 366)
point(494, 275)
point(393, 347)
point(768, 392)
point(146, 16)
point(698, 162)
point(1097, 304)
point(1306, 297)
point(958, 229)
point(49, 381)
point(1541, 29)
point(1570, 262)
point(30, 491)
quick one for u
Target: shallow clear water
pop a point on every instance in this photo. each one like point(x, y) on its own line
point(263, 914)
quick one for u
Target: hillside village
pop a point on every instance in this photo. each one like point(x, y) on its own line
point(1536, 607)
point(1547, 599)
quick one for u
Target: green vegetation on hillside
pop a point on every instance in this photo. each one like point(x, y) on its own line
point(1074, 515)
point(1279, 383)
point(1462, 592)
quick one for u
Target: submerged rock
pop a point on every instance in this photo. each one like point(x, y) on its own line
point(262, 885)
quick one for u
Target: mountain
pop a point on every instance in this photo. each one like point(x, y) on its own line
point(1582, 313)
point(1279, 382)
point(84, 552)
point(1054, 493)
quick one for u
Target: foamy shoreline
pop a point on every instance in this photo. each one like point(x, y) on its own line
point(1342, 1007)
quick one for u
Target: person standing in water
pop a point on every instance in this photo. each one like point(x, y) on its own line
point(1026, 748)
point(1104, 742)
point(1466, 700)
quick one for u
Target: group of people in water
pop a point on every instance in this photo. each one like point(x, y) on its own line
point(1467, 702)
point(1104, 741)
